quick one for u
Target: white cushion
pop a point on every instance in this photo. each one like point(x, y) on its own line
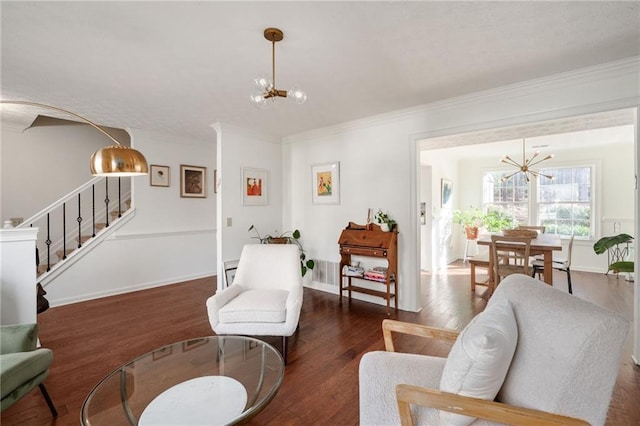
point(480, 358)
point(259, 305)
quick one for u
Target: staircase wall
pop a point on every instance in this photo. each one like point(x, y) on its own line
point(170, 239)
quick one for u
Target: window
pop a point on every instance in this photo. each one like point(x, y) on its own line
point(510, 196)
point(564, 205)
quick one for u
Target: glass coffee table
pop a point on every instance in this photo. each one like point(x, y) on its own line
point(215, 380)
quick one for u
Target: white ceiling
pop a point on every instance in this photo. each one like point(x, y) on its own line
point(178, 67)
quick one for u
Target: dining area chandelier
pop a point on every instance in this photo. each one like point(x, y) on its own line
point(525, 166)
point(267, 87)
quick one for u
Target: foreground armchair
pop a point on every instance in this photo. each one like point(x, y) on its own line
point(22, 366)
point(536, 355)
point(266, 295)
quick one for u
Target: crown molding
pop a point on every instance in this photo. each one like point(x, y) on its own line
point(616, 69)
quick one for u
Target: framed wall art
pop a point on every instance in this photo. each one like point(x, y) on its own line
point(446, 193)
point(158, 175)
point(254, 187)
point(325, 181)
point(193, 181)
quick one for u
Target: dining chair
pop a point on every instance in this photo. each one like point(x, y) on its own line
point(540, 229)
point(558, 263)
point(510, 256)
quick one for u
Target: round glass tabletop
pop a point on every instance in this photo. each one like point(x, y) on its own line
point(215, 380)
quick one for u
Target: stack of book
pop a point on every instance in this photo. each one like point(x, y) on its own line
point(379, 273)
point(354, 271)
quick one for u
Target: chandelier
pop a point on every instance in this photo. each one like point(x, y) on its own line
point(267, 87)
point(525, 166)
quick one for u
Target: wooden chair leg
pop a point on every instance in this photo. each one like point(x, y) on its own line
point(473, 277)
point(284, 349)
point(48, 399)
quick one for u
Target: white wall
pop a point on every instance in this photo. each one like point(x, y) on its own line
point(238, 148)
point(379, 156)
point(43, 163)
point(170, 239)
point(17, 276)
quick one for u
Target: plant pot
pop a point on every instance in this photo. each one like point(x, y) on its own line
point(278, 240)
point(471, 232)
point(385, 227)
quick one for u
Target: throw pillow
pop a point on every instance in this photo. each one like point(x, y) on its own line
point(480, 357)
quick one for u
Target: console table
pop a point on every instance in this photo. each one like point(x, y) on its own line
point(369, 241)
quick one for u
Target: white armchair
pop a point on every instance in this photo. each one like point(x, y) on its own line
point(566, 354)
point(265, 298)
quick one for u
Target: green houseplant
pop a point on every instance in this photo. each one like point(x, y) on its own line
point(385, 221)
point(604, 244)
point(287, 237)
point(496, 220)
point(470, 219)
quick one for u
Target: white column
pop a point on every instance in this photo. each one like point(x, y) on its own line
point(18, 275)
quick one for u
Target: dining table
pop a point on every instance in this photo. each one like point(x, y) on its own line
point(543, 244)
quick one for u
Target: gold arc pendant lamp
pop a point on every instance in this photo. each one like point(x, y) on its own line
point(267, 87)
point(114, 160)
point(525, 166)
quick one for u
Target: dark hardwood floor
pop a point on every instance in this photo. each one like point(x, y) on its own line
point(92, 338)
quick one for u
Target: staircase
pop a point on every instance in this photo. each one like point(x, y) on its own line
point(73, 225)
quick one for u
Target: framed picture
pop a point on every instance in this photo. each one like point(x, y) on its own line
point(254, 187)
point(446, 190)
point(325, 181)
point(230, 268)
point(161, 353)
point(193, 181)
point(192, 344)
point(159, 175)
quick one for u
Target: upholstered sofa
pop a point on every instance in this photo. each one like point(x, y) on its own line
point(559, 364)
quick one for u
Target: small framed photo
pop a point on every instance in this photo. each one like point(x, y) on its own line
point(161, 353)
point(230, 268)
point(192, 344)
point(254, 187)
point(159, 175)
point(325, 181)
point(446, 189)
point(193, 181)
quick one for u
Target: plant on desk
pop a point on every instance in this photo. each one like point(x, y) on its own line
point(287, 237)
point(384, 220)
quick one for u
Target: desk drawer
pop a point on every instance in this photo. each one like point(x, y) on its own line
point(364, 251)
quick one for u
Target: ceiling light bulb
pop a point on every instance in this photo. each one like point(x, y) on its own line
point(264, 83)
point(258, 100)
point(299, 96)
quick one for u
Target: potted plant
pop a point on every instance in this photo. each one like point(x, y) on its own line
point(287, 237)
point(384, 220)
point(470, 219)
point(605, 244)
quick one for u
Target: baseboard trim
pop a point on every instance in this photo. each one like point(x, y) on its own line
point(131, 289)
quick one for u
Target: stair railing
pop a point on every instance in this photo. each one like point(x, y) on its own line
point(56, 226)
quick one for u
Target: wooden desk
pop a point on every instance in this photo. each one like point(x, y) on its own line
point(544, 244)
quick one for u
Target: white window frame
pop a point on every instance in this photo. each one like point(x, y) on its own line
point(533, 203)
